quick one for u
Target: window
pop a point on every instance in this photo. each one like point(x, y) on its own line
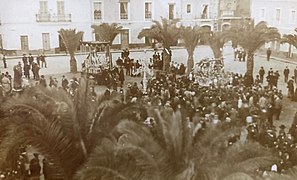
point(60, 7)
point(97, 10)
point(293, 16)
point(204, 14)
point(24, 43)
point(148, 10)
point(171, 11)
point(262, 13)
point(124, 10)
point(43, 8)
point(188, 8)
point(277, 14)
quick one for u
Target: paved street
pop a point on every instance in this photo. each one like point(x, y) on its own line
point(58, 65)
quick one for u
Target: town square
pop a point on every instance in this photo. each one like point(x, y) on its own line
point(148, 90)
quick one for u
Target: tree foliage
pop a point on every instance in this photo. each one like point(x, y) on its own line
point(290, 39)
point(252, 37)
point(106, 32)
point(165, 32)
point(64, 130)
point(72, 40)
point(191, 37)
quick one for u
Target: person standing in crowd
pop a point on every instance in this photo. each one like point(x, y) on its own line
point(295, 74)
point(42, 81)
point(35, 70)
point(6, 84)
point(17, 78)
point(25, 59)
point(286, 74)
point(277, 106)
point(121, 76)
point(4, 61)
point(243, 55)
point(64, 83)
point(43, 61)
point(268, 53)
point(27, 70)
point(35, 167)
point(261, 74)
point(276, 77)
point(31, 59)
point(290, 86)
point(53, 83)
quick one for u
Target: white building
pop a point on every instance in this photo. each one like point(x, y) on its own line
point(32, 25)
point(277, 13)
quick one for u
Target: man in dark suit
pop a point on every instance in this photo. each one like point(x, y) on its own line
point(25, 59)
point(268, 53)
point(31, 59)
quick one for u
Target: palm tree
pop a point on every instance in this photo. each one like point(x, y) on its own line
point(217, 39)
point(143, 153)
point(106, 32)
point(253, 37)
point(291, 39)
point(190, 36)
point(166, 33)
point(64, 130)
point(168, 151)
point(71, 39)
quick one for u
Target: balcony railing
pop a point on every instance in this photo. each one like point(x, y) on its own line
point(61, 18)
point(53, 18)
point(148, 15)
point(227, 13)
point(43, 17)
point(124, 15)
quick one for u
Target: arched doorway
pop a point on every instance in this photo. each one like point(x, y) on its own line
point(207, 27)
point(225, 26)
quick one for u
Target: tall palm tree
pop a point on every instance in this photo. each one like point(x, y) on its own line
point(190, 36)
point(165, 32)
point(106, 32)
point(217, 39)
point(291, 39)
point(71, 39)
point(252, 37)
point(64, 130)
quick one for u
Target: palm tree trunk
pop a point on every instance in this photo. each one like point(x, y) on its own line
point(166, 59)
point(73, 63)
point(190, 63)
point(216, 51)
point(250, 64)
point(290, 51)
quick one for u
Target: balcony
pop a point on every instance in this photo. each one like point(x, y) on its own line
point(124, 15)
point(53, 18)
point(148, 15)
point(61, 18)
point(43, 17)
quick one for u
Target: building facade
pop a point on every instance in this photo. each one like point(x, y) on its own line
point(277, 13)
point(33, 25)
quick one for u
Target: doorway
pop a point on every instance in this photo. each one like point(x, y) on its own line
point(124, 38)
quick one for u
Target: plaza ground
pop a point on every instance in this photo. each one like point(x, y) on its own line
point(59, 65)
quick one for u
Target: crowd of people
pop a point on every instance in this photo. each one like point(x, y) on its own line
point(208, 97)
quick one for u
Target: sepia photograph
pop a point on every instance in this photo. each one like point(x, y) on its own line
point(148, 90)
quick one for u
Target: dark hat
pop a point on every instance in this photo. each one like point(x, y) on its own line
point(282, 126)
